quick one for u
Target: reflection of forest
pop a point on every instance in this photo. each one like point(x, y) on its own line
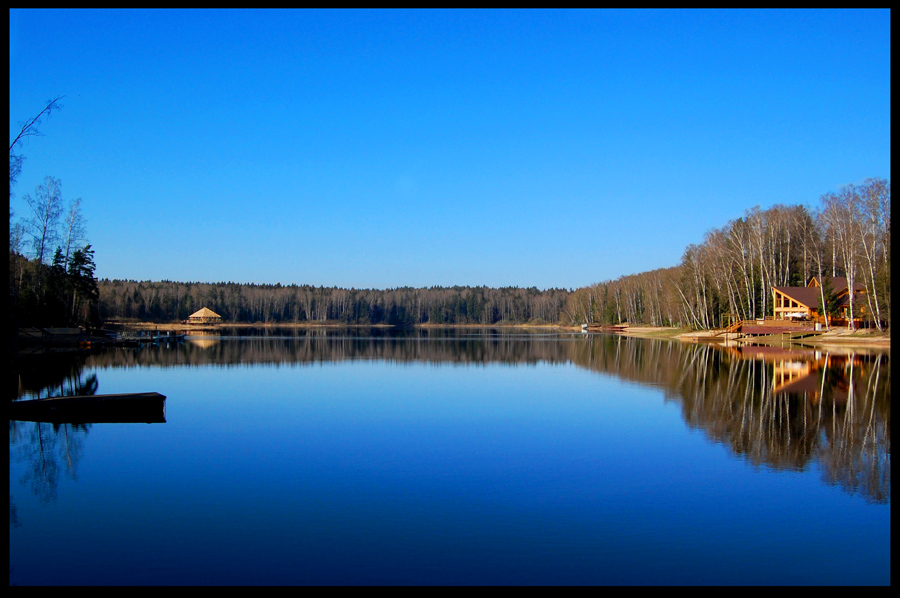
point(54, 374)
point(782, 408)
point(786, 409)
point(50, 450)
point(427, 346)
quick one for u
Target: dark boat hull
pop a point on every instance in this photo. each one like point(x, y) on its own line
point(146, 407)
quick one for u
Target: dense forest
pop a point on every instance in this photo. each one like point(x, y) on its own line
point(279, 304)
point(730, 275)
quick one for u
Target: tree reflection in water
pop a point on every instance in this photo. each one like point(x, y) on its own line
point(50, 450)
point(780, 407)
point(787, 408)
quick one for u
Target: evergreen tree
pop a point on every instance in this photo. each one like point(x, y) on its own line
point(84, 289)
point(830, 306)
point(53, 306)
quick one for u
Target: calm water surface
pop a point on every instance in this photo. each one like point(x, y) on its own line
point(459, 457)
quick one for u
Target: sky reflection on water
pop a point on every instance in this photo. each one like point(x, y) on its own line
point(490, 460)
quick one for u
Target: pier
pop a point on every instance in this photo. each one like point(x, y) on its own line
point(141, 407)
point(83, 339)
point(768, 326)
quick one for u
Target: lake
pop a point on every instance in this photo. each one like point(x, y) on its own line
point(430, 457)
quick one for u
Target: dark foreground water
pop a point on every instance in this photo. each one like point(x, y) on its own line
point(441, 457)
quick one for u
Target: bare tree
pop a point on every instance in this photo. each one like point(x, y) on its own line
point(16, 261)
point(739, 238)
point(814, 244)
point(873, 226)
point(46, 208)
point(29, 129)
point(841, 212)
point(74, 232)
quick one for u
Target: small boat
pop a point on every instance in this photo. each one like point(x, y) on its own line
point(142, 407)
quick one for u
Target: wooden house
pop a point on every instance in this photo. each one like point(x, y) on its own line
point(204, 316)
point(803, 303)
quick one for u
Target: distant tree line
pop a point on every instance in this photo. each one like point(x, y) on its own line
point(731, 274)
point(167, 301)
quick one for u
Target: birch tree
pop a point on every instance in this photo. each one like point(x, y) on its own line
point(74, 231)
point(873, 199)
point(841, 212)
point(46, 208)
point(814, 245)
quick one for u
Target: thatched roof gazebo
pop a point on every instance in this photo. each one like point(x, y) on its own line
point(204, 316)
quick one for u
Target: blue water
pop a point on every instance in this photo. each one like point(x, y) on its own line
point(373, 471)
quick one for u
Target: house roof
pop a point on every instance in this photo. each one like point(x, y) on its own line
point(839, 284)
point(808, 296)
point(205, 312)
point(811, 296)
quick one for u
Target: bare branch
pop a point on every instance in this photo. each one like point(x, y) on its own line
point(30, 128)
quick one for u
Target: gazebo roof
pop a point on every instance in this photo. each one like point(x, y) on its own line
point(205, 312)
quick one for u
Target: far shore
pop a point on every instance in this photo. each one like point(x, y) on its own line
point(837, 336)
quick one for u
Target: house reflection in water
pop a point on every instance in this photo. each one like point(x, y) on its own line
point(805, 372)
point(792, 368)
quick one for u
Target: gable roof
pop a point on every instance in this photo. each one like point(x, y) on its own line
point(838, 284)
point(205, 312)
point(807, 296)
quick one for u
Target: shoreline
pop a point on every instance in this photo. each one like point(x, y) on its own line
point(840, 336)
point(188, 327)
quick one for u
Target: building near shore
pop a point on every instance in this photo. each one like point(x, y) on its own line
point(204, 316)
point(805, 303)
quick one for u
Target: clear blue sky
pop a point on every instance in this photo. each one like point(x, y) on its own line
point(377, 149)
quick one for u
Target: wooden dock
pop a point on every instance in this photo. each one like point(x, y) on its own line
point(141, 407)
point(76, 338)
point(607, 327)
point(140, 338)
point(762, 329)
point(768, 327)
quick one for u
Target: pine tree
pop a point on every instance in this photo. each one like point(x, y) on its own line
point(85, 291)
